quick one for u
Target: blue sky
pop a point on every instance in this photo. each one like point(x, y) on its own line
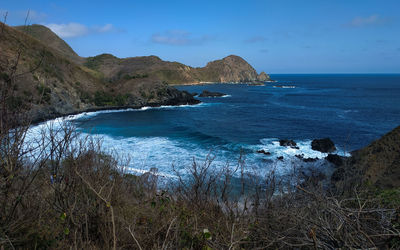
point(324, 36)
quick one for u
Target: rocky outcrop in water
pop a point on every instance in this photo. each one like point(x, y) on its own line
point(262, 151)
point(263, 77)
point(207, 93)
point(288, 143)
point(325, 145)
point(335, 159)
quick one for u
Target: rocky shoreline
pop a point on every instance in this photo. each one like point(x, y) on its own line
point(250, 83)
point(38, 116)
point(111, 108)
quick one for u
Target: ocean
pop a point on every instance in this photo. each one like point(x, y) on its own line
point(352, 110)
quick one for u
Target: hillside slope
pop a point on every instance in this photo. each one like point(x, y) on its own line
point(46, 36)
point(378, 164)
point(46, 83)
point(229, 69)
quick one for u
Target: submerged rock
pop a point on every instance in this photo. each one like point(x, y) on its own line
point(262, 151)
point(323, 145)
point(287, 143)
point(280, 158)
point(301, 157)
point(207, 93)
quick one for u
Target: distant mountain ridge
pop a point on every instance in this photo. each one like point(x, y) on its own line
point(229, 69)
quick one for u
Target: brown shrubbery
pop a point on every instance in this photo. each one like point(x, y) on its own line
point(75, 195)
point(62, 191)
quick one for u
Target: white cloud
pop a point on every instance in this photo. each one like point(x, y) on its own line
point(70, 30)
point(365, 21)
point(106, 28)
point(178, 37)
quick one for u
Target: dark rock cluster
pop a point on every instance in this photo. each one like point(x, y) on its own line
point(325, 145)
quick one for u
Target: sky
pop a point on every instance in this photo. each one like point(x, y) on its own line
point(285, 36)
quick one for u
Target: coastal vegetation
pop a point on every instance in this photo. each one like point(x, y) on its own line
point(72, 193)
point(61, 191)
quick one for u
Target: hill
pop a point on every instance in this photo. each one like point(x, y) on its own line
point(46, 36)
point(229, 69)
point(42, 79)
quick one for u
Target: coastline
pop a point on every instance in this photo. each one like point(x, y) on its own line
point(109, 108)
point(137, 107)
point(210, 83)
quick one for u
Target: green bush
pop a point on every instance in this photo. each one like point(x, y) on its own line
point(102, 98)
point(121, 100)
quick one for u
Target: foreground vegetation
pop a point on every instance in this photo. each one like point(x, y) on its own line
point(60, 191)
point(69, 193)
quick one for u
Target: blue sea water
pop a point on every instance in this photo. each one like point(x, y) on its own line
point(352, 110)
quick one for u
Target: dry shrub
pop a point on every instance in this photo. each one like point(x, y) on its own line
point(62, 191)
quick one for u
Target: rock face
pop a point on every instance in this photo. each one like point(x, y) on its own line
point(207, 93)
point(323, 145)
